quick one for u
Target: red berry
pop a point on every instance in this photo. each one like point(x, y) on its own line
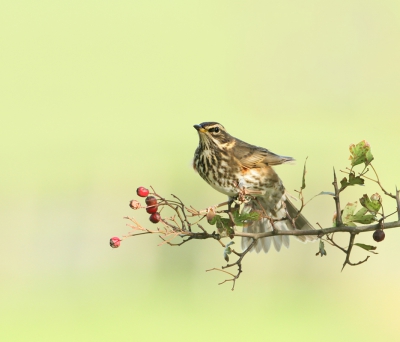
point(155, 218)
point(115, 242)
point(151, 210)
point(142, 191)
point(379, 235)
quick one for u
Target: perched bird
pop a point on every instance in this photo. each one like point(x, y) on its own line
point(233, 166)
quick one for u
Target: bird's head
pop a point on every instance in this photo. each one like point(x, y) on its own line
point(213, 133)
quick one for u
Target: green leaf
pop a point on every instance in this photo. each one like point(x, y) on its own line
point(371, 205)
point(347, 214)
point(366, 247)
point(223, 225)
point(365, 219)
point(226, 257)
point(343, 183)
point(228, 251)
point(214, 220)
point(240, 219)
point(369, 157)
point(361, 212)
point(355, 180)
point(350, 224)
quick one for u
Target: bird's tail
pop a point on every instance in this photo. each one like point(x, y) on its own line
point(282, 216)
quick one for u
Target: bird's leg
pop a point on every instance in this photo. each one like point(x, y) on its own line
point(245, 192)
point(230, 201)
point(231, 210)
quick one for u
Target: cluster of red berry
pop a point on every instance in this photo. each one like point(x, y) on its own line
point(151, 203)
point(151, 208)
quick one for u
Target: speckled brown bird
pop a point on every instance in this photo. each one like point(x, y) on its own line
point(231, 165)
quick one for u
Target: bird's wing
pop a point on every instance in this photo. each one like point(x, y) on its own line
point(253, 156)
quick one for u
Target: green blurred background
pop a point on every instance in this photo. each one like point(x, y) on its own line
point(99, 97)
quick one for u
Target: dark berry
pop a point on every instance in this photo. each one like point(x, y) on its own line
point(152, 206)
point(115, 242)
point(151, 210)
point(155, 218)
point(379, 235)
point(142, 191)
point(151, 200)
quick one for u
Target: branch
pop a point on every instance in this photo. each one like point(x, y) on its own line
point(322, 232)
point(351, 244)
point(184, 218)
point(337, 200)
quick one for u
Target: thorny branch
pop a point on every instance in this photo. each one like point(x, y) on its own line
point(337, 201)
point(184, 220)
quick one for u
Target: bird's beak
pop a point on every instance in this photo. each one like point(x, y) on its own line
point(200, 129)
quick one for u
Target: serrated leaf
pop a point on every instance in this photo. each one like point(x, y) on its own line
point(223, 223)
point(223, 226)
point(360, 216)
point(355, 180)
point(252, 216)
point(366, 247)
point(371, 205)
point(240, 219)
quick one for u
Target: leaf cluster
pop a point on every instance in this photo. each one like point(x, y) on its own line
point(360, 153)
point(225, 225)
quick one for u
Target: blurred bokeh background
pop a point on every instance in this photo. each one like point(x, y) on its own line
point(99, 97)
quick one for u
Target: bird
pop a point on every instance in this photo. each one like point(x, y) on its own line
point(233, 167)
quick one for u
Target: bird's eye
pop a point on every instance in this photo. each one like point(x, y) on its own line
point(214, 130)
